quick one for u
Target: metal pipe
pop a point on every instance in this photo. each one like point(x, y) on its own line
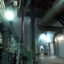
point(19, 4)
point(2, 8)
point(57, 8)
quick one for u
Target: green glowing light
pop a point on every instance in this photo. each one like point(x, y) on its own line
point(9, 15)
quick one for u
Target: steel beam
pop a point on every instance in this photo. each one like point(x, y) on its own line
point(51, 28)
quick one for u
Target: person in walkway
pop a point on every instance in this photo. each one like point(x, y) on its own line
point(14, 59)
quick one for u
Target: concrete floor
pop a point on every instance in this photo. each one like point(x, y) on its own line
point(49, 60)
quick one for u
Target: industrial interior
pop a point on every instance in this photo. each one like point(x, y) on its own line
point(31, 31)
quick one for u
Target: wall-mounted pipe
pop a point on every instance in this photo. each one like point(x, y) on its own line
point(57, 8)
point(2, 8)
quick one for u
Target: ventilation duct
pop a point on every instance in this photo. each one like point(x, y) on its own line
point(46, 20)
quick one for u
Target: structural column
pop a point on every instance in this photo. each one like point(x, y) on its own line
point(33, 38)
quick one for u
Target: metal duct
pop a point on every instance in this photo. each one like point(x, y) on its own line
point(57, 8)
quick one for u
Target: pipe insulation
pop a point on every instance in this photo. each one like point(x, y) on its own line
point(56, 8)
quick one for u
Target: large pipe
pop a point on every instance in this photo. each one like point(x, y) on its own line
point(2, 8)
point(57, 8)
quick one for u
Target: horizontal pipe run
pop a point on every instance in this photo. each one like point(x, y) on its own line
point(51, 28)
point(57, 8)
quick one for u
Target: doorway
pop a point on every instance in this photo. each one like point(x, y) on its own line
point(42, 50)
point(51, 48)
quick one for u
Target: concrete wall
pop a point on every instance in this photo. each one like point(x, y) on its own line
point(38, 42)
point(27, 34)
point(61, 48)
point(17, 27)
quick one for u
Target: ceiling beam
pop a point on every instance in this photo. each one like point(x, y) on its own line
point(51, 28)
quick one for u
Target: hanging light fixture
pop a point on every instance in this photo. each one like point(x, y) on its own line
point(9, 15)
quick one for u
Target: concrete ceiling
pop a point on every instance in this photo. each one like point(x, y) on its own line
point(38, 7)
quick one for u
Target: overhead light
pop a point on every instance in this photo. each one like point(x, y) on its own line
point(45, 37)
point(42, 36)
point(9, 15)
point(41, 47)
